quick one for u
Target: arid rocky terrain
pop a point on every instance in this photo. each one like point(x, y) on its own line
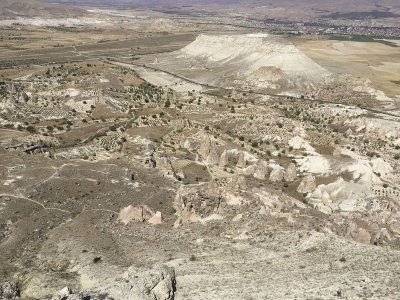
point(151, 153)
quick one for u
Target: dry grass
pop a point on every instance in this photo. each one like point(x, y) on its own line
point(374, 61)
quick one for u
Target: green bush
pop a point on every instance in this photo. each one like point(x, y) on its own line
point(31, 129)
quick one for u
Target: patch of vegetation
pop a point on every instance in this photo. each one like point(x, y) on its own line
point(31, 129)
point(192, 258)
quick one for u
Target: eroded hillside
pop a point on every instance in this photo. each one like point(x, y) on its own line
point(140, 164)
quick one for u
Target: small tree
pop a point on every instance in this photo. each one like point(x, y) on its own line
point(31, 129)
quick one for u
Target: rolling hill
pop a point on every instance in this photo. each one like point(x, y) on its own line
point(10, 9)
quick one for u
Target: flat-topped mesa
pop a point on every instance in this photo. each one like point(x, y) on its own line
point(256, 58)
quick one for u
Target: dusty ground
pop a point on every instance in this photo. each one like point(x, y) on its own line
point(261, 196)
point(377, 62)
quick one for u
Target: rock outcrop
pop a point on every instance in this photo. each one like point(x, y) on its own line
point(261, 170)
point(291, 173)
point(156, 219)
point(276, 174)
point(208, 150)
point(307, 185)
point(139, 213)
point(348, 196)
point(156, 284)
point(195, 205)
point(260, 59)
point(9, 290)
point(241, 163)
point(223, 161)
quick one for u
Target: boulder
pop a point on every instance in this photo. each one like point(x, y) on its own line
point(307, 185)
point(261, 170)
point(325, 209)
point(241, 182)
point(383, 234)
point(237, 218)
point(291, 173)
point(208, 150)
point(349, 131)
point(350, 196)
point(67, 294)
point(233, 198)
point(298, 142)
point(186, 144)
point(157, 284)
point(156, 219)
point(223, 161)
point(249, 170)
point(358, 234)
point(337, 152)
point(241, 161)
point(188, 215)
point(64, 293)
point(276, 174)
point(138, 213)
point(9, 290)
point(378, 165)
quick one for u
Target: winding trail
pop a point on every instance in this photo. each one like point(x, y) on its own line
point(56, 173)
point(106, 210)
point(76, 51)
point(34, 201)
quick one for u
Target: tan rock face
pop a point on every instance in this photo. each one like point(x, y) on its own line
point(162, 162)
point(156, 219)
point(268, 74)
point(249, 170)
point(139, 213)
point(276, 175)
point(323, 208)
point(208, 150)
point(223, 161)
point(199, 204)
point(307, 185)
point(261, 170)
point(157, 283)
point(233, 198)
point(188, 215)
point(291, 173)
point(241, 182)
point(241, 161)
point(358, 234)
